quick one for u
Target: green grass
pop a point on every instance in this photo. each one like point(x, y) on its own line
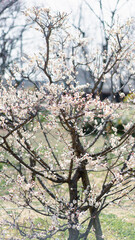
point(116, 228)
point(3, 188)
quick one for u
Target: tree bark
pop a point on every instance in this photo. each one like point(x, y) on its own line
point(81, 172)
point(97, 228)
point(73, 234)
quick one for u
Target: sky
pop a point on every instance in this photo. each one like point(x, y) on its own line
point(126, 10)
point(60, 5)
point(72, 5)
point(89, 22)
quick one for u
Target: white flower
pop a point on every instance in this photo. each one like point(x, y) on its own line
point(122, 95)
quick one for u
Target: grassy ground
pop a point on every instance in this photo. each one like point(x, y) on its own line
point(116, 228)
point(118, 223)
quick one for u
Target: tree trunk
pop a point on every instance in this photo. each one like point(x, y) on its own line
point(97, 228)
point(73, 234)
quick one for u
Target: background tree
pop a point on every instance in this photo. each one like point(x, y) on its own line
point(55, 162)
point(103, 15)
point(12, 28)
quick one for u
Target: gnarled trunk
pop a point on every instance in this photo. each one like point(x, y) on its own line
point(73, 234)
point(97, 228)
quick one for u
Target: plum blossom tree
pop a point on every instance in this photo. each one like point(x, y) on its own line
point(60, 171)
